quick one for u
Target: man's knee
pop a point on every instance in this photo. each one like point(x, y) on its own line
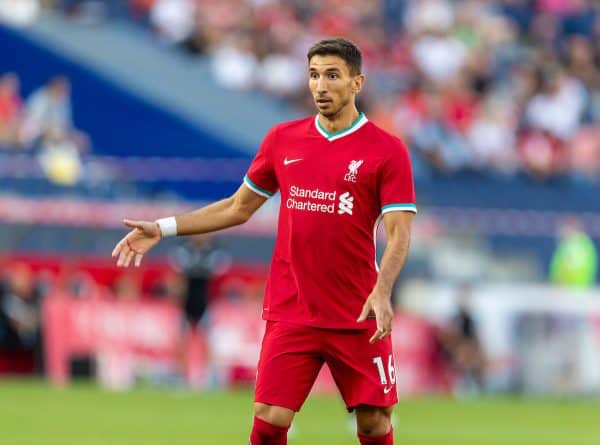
point(275, 415)
point(374, 420)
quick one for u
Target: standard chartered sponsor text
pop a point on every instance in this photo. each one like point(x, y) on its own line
point(312, 193)
point(327, 204)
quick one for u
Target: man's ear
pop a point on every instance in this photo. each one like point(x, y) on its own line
point(357, 83)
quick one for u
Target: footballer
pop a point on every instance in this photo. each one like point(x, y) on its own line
point(327, 301)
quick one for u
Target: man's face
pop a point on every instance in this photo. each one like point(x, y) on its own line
point(60, 89)
point(332, 85)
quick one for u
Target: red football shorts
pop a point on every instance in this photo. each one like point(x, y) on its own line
point(292, 356)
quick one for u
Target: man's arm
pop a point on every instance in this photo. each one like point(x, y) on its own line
point(229, 212)
point(397, 228)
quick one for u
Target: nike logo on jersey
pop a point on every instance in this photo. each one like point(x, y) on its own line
point(287, 161)
point(387, 389)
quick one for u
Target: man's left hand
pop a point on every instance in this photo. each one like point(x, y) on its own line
point(380, 304)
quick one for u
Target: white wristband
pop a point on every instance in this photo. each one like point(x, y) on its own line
point(168, 226)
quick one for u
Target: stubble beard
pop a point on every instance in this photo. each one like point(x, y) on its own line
point(332, 114)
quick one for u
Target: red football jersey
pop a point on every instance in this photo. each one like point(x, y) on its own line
point(334, 187)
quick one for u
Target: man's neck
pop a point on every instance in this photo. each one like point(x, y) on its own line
point(340, 121)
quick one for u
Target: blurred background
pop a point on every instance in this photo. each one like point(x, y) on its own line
point(146, 108)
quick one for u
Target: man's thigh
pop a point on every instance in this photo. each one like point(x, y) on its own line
point(364, 373)
point(290, 360)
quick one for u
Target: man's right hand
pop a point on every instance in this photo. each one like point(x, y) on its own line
point(144, 236)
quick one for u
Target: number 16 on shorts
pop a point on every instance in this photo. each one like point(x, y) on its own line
point(391, 371)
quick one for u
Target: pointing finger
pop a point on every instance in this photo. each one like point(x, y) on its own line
point(138, 259)
point(133, 224)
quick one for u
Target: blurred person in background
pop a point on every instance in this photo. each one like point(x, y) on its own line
point(20, 318)
point(10, 111)
point(19, 12)
point(4, 326)
point(438, 141)
point(48, 116)
point(584, 156)
point(200, 259)
point(461, 343)
point(173, 20)
point(48, 127)
point(339, 175)
point(575, 260)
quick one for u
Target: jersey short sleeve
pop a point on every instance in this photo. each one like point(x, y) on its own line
point(261, 177)
point(396, 184)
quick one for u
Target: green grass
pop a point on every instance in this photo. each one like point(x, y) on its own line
point(31, 413)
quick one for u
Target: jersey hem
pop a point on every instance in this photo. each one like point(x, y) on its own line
point(370, 323)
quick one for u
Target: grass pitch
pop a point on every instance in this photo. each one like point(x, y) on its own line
point(31, 413)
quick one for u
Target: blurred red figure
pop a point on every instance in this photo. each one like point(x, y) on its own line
point(326, 300)
point(10, 110)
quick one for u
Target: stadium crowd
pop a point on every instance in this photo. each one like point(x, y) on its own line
point(501, 87)
point(496, 86)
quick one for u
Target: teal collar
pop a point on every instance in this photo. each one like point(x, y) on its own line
point(359, 122)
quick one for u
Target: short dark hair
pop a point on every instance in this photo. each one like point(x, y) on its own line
point(342, 48)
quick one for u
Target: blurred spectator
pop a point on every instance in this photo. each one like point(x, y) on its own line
point(19, 12)
point(20, 311)
point(429, 16)
point(584, 155)
point(461, 342)
point(546, 110)
point(48, 109)
point(438, 141)
point(542, 154)
point(48, 126)
point(48, 114)
point(439, 56)
point(235, 65)
point(200, 259)
point(282, 75)
point(575, 260)
point(4, 325)
point(492, 137)
point(173, 20)
point(10, 110)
